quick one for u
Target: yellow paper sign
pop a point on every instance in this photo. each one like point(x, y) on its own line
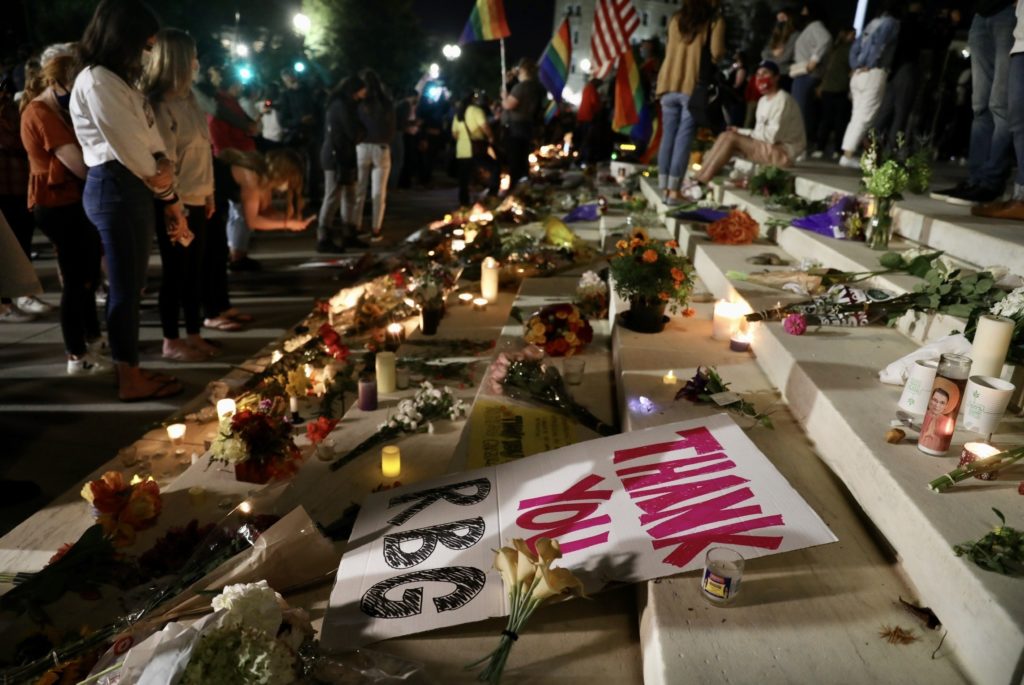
point(499, 433)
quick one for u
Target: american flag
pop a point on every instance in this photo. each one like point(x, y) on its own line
point(614, 24)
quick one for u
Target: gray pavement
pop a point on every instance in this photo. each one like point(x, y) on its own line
point(55, 429)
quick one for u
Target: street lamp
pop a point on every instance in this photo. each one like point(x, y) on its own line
point(301, 23)
point(451, 52)
point(242, 50)
point(299, 67)
point(435, 70)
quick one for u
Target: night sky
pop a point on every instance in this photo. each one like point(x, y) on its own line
point(531, 23)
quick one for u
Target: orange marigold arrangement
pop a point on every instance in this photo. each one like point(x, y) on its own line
point(738, 228)
point(123, 507)
point(652, 271)
point(559, 329)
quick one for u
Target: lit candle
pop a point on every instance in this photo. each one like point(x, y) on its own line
point(489, 279)
point(293, 407)
point(480, 304)
point(276, 357)
point(459, 233)
point(465, 298)
point(973, 451)
point(308, 370)
point(726, 319)
point(669, 378)
point(458, 245)
point(391, 461)
point(368, 393)
point(472, 231)
point(395, 335)
point(740, 341)
point(385, 372)
point(991, 343)
point(226, 408)
point(176, 432)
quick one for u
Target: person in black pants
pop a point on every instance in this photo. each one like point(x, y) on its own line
point(521, 109)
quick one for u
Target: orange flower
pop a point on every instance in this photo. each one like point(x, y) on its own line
point(650, 256)
point(663, 296)
point(672, 244)
point(689, 312)
point(677, 275)
point(738, 228)
point(621, 245)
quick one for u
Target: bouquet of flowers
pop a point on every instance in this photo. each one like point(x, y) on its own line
point(737, 228)
point(651, 272)
point(413, 415)
point(592, 296)
point(430, 284)
point(317, 431)
point(771, 180)
point(258, 444)
point(706, 383)
point(888, 178)
point(526, 378)
point(123, 508)
point(559, 329)
point(531, 583)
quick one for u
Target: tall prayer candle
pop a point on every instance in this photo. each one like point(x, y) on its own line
point(727, 319)
point(991, 343)
point(385, 372)
point(391, 461)
point(368, 393)
point(489, 279)
point(944, 404)
point(225, 408)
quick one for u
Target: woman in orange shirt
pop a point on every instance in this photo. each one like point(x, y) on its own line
point(55, 197)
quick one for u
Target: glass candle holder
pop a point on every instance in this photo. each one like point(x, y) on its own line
point(944, 404)
point(573, 369)
point(176, 433)
point(723, 573)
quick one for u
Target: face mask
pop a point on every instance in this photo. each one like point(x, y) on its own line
point(64, 100)
point(763, 84)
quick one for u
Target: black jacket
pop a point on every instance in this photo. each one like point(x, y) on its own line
point(342, 131)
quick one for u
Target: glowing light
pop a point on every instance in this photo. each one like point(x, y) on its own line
point(276, 357)
point(176, 431)
point(299, 67)
point(409, 302)
point(669, 378)
point(465, 298)
point(966, 53)
point(391, 461)
point(533, 158)
point(301, 23)
point(435, 70)
point(627, 147)
point(459, 233)
point(458, 245)
point(451, 52)
point(585, 65)
point(480, 303)
point(226, 408)
point(242, 50)
point(245, 73)
point(245, 507)
point(506, 183)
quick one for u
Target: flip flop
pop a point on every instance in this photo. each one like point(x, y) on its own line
point(223, 323)
point(157, 376)
point(240, 317)
point(169, 389)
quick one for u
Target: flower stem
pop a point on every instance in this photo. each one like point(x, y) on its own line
point(975, 468)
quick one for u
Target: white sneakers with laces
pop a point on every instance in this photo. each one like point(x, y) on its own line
point(33, 305)
point(88, 364)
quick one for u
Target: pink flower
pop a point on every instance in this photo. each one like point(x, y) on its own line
point(795, 324)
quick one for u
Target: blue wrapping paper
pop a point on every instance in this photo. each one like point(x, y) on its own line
point(704, 215)
point(832, 223)
point(587, 212)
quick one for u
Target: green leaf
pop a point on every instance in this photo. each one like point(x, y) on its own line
point(934, 301)
point(892, 260)
point(984, 285)
point(964, 311)
point(945, 288)
point(933, 277)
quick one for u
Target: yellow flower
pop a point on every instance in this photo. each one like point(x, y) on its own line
point(505, 563)
point(538, 328)
point(570, 337)
point(621, 245)
point(548, 550)
point(526, 563)
point(556, 583)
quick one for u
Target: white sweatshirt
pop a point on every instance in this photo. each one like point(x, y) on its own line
point(779, 122)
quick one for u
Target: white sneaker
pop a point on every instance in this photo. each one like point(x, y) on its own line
point(87, 364)
point(849, 162)
point(692, 192)
point(33, 305)
point(10, 314)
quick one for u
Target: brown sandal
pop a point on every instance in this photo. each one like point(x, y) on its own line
point(168, 389)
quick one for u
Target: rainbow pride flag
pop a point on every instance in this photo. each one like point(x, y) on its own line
point(551, 111)
point(629, 95)
point(651, 153)
point(486, 22)
point(554, 63)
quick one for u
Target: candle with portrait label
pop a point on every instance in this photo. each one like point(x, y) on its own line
point(385, 372)
point(391, 461)
point(489, 269)
point(991, 343)
point(944, 404)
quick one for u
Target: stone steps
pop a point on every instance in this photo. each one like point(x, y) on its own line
point(829, 380)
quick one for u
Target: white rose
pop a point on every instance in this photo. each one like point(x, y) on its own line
point(253, 605)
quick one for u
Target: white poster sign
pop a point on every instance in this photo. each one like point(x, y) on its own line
point(631, 507)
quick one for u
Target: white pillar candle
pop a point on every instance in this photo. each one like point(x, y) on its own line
point(385, 372)
point(489, 279)
point(226, 408)
point(391, 461)
point(176, 432)
point(726, 320)
point(991, 343)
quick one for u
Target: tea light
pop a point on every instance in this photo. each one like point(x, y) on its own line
point(669, 378)
point(459, 233)
point(276, 357)
point(391, 461)
point(726, 320)
point(480, 304)
point(308, 370)
point(489, 269)
point(226, 408)
point(458, 245)
point(385, 372)
point(973, 451)
point(176, 433)
point(465, 298)
point(395, 334)
point(740, 341)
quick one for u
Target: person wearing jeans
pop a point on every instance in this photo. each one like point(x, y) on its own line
point(870, 58)
point(991, 40)
point(1013, 208)
point(373, 155)
point(688, 33)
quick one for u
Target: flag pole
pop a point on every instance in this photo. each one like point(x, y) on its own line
point(503, 72)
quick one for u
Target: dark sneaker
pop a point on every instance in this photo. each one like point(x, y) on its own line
point(961, 188)
point(245, 264)
point(328, 247)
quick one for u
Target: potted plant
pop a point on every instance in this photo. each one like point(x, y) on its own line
point(429, 287)
point(654, 277)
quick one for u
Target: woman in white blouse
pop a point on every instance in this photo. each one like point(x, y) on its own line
point(128, 166)
point(809, 53)
point(167, 84)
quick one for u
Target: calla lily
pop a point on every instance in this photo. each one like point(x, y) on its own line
point(526, 563)
point(505, 562)
point(547, 551)
point(557, 583)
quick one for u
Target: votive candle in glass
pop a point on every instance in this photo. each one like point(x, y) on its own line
point(176, 433)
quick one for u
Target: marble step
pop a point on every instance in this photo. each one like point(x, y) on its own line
point(823, 606)
point(829, 380)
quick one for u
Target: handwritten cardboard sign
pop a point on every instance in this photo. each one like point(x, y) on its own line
point(628, 508)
